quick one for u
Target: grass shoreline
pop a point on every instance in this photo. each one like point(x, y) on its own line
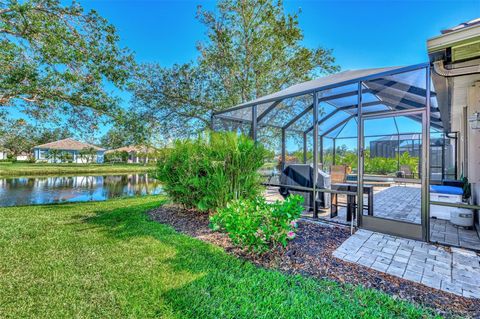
point(108, 259)
point(11, 170)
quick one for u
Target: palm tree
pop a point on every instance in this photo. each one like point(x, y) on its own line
point(66, 157)
point(88, 153)
point(53, 154)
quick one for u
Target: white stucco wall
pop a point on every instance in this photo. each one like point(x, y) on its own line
point(76, 158)
point(466, 93)
point(473, 103)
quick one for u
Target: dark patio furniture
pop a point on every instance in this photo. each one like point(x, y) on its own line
point(351, 199)
point(406, 172)
point(301, 175)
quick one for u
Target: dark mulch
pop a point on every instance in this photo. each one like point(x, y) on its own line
point(310, 253)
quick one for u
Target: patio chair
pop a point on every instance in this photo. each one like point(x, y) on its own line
point(406, 171)
point(338, 173)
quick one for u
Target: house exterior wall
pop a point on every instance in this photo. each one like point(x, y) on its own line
point(22, 158)
point(466, 98)
point(100, 157)
point(41, 155)
point(134, 158)
point(473, 105)
point(3, 155)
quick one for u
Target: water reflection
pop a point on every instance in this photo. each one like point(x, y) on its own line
point(43, 190)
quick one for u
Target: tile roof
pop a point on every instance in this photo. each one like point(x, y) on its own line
point(68, 144)
point(462, 25)
point(133, 148)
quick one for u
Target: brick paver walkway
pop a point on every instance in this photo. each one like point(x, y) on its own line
point(457, 271)
point(403, 203)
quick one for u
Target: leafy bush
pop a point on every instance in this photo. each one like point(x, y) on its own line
point(211, 170)
point(258, 225)
point(53, 154)
point(116, 156)
point(298, 154)
point(87, 154)
point(350, 159)
point(66, 157)
point(381, 165)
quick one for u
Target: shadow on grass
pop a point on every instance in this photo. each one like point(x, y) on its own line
point(132, 221)
point(226, 287)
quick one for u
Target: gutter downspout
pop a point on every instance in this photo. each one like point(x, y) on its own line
point(440, 69)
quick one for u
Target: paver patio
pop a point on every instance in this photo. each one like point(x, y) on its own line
point(403, 203)
point(456, 271)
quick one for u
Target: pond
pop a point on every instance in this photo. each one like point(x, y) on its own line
point(58, 189)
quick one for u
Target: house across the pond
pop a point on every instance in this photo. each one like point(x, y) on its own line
point(68, 150)
point(7, 155)
point(135, 153)
point(23, 156)
point(3, 154)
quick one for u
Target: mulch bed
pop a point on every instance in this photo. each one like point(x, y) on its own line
point(310, 254)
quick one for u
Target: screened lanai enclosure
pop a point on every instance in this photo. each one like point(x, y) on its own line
point(362, 147)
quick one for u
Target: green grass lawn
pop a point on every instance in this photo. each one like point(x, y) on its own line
point(107, 260)
point(33, 169)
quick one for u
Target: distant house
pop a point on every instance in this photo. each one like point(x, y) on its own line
point(136, 153)
point(3, 155)
point(74, 149)
point(23, 156)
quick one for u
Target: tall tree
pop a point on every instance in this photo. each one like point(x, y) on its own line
point(18, 136)
point(56, 59)
point(130, 129)
point(45, 135)
point(252, 48)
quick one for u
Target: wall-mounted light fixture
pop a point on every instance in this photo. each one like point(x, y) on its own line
point(474, 121)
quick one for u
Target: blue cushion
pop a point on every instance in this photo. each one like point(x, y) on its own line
point(446, 189)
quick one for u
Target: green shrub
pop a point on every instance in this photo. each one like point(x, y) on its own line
point(116, 156)
point(66, 157)
point(207, 172)
point(258, 225)
point(381, 165)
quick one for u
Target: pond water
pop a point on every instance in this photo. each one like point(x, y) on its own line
point(58, 189)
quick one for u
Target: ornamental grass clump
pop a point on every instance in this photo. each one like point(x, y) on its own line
point(207, 172)
point(257, 225)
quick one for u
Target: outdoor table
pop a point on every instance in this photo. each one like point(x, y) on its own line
point(351, 200)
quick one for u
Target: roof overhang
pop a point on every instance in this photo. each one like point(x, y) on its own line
point(453, 38)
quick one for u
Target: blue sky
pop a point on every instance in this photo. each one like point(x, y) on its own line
point(362, 34)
